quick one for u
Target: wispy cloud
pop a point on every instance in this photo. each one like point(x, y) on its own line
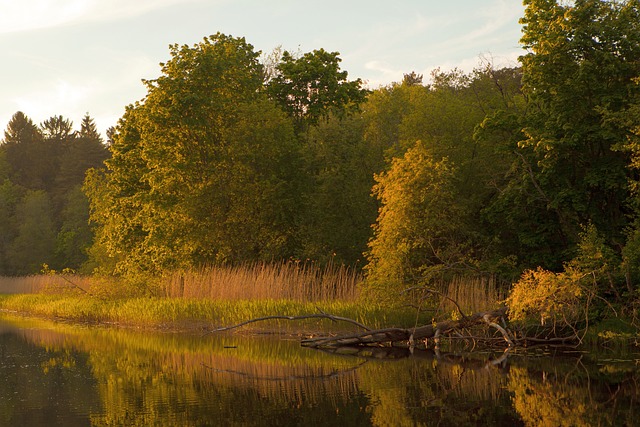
point(26, 15)
point(61, 96)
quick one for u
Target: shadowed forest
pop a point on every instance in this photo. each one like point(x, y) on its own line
point(525, 174)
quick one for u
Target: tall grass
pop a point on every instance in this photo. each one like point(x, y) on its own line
point(43, 283)
point(473, 294)
point(222, 296)
point(293, 281)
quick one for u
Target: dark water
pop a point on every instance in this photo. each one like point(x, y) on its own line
point(54, 374)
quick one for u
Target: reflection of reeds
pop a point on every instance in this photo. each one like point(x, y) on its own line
point(286, 280)
point(278, 370)
point(481, 381)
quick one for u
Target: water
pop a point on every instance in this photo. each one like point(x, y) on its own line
point(58, 374)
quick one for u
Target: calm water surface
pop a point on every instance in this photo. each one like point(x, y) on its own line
point(55, 374)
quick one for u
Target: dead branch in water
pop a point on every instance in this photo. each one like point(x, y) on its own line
point(390, 336)
point(411, 335)
point(321, 315)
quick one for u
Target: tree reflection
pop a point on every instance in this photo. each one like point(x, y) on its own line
point(120, 377)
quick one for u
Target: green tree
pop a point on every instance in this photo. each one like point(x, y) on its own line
point(200, 170)
point(75, 235)
point(312, 86)
point(35, 241)
point(10, 195)
point(25, 152)
point(444, 118)
point(79, 151)
point(57, 128)
point(579, 67)
point(337, 208)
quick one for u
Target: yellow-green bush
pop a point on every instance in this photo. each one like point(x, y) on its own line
point(544, 295)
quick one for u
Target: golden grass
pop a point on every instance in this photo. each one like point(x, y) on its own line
point(179, 313)
point(47, 283)
point(286, 280)
point(222, 296)
point(473, 294)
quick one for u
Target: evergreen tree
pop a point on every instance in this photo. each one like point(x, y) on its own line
point(35, 241)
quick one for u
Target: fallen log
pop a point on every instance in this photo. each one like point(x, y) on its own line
point(411, 335)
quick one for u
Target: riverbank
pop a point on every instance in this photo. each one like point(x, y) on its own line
point(179, 314)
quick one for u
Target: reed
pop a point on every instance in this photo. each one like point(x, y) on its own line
point(296, 281)
point(181, 314)
point(45, 283)
point(473, 294)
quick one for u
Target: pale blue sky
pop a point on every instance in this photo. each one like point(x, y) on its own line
point(70, 57)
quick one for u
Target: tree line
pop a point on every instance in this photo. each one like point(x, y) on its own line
point(233, 157)
point(43, 210)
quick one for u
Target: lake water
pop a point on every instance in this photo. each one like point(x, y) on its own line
point(58, 374)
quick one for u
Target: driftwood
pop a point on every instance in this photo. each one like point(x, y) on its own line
point(397, 336)
point(412, 335)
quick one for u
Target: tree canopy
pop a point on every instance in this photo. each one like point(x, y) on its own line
point(42, 169)
point(227, 160)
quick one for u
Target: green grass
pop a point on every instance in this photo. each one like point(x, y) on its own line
point(215, 297)
point(179, 313)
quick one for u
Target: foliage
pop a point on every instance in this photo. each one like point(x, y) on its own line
point(493, 172)
point(36, 235)
point(434, 194)
point(416, 225)
point(44, 217)
point(336, 207)
point(547, 296)
point(201, 169)
point(312, 87)
point(579, 67)
point(567, 297)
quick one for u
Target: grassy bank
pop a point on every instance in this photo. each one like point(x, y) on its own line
point(207, 298)
point(181, 314)
point(221, 296)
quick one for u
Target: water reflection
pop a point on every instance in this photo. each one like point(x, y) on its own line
point(58, 374)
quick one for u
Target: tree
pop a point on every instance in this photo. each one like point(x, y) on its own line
point(579, 68)
point(443, 118)
point(10, 196)
point(312, 87)
point(75, 235)
point(412, 79)
point(35, 241)
point(337, 209)
point(89, 130)
point(200, 170)
point(418, 222)
point(25, 152)
point(57, 128)
point(77, 154)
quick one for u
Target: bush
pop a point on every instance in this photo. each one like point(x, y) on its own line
point(545, 295)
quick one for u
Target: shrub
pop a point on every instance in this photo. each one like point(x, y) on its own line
point(545, 295)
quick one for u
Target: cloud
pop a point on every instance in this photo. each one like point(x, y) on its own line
point(27, 15)
point(61, 96)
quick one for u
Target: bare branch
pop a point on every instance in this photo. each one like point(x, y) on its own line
point(321, 315)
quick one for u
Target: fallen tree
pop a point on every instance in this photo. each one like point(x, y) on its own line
point(407, 337)
point(411, 336)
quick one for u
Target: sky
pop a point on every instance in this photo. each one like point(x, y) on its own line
point(72, 57)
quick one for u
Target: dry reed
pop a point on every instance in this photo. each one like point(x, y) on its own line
point(473, 294)
point(306, 282)
point(39, 283)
